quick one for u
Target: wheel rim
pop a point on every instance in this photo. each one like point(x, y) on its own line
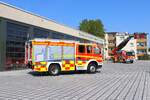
point(54, 70)
point(92, 68)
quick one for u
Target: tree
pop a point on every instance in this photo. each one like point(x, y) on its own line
point(94, 27)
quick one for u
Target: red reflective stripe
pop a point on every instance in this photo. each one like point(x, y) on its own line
point(71, 65)
point(84, 62)
point(42, 66)
point(67, 68)
point(37, 68)
point(37, 63)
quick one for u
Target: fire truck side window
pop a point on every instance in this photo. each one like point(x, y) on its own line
point(97, 50)
point(89, 49)
point(81, 49)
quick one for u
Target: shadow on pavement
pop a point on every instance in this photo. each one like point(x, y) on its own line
point(38, 74)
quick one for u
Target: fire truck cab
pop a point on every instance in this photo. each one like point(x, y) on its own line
point(54, 56)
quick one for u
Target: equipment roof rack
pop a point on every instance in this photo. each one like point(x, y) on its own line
point(54, 40)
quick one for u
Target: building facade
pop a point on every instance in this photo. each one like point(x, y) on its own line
point(106, 55)
point(142, 43)
point(110, 39)
point(17, 26)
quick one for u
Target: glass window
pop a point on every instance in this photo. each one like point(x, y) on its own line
point(81, 49)
point(97, 50)
point(40, 33)
point(141, 51)
point(141, 44)
point(54, 53)
point(39, 52)
point(68, 52)
point(15, 42)
point(89, 49)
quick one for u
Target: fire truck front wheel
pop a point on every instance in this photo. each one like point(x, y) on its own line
point(54, 69)
point(91, 68)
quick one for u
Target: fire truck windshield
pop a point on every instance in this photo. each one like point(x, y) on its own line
point(130, 53)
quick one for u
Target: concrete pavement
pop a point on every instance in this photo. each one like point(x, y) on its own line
point(114, 82)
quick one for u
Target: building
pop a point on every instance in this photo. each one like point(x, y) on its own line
point(110, 40)
point(142, 43)
point(113, 39)
point(18, 26)
point(106, 55)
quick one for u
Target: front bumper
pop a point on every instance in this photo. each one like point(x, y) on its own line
point(99, 65)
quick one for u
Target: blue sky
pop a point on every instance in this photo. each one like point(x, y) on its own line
point(116, 15)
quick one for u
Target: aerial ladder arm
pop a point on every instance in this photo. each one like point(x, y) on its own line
point(122, 44)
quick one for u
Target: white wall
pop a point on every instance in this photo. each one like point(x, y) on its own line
point(106, 47)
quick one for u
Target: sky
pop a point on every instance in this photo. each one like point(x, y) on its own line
point(116, 15)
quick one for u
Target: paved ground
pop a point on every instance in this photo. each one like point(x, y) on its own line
point(115, 82)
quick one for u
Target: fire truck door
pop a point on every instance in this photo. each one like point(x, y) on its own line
point(68, 58)
point(81, 57)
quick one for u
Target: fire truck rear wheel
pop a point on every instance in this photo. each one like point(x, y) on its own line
point(54, 69)
point(91, 68)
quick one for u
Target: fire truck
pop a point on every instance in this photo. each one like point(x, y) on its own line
point(54, 56)
point(119, 55)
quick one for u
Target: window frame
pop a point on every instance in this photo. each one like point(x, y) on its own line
point(91, 51)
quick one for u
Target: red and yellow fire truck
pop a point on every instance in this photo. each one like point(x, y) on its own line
point(54, 56)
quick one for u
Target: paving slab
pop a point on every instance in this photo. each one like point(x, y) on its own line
point(116, 81)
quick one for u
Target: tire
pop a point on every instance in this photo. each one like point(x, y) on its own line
point(124, 61)
point(131, 61)
point(91, 68)
point(54, 69)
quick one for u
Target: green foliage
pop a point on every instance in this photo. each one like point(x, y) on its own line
point(94, 27)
